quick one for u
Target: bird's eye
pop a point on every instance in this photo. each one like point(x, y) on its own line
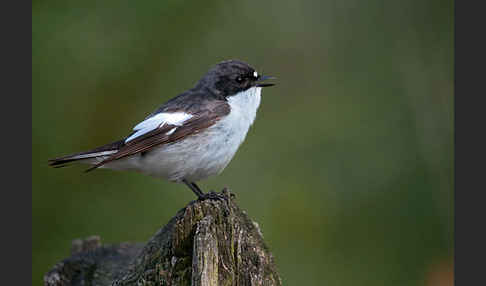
point(239, 79)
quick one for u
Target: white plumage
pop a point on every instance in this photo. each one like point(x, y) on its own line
point(154, 122)
point(197, 156)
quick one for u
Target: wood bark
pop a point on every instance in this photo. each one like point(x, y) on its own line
point(209, 242)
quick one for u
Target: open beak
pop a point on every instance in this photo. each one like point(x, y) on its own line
point(259, 82)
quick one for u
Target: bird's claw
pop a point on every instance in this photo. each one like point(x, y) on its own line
point(212, 195)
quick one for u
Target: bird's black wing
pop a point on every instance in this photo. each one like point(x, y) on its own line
point(211, 112)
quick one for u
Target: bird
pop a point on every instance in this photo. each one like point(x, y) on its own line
point(192, 136)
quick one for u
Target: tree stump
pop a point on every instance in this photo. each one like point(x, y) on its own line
point(209, 242)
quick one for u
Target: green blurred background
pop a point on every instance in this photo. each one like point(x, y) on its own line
point(348, 168)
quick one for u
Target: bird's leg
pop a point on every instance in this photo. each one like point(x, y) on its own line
point(194, 188)
point(200, 194)
point(197, 188)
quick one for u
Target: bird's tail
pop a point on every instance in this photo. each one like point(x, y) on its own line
point(88, 157)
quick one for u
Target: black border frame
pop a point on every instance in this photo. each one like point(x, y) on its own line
point(16, 211)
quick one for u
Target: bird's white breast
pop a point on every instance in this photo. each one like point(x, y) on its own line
point(244, 106)
point(207, 153)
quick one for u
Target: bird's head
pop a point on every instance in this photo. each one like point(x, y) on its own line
point(231, 77)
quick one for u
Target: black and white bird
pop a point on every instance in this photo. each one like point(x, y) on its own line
point(192, 136)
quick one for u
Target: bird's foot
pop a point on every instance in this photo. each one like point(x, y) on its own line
point(212, 195)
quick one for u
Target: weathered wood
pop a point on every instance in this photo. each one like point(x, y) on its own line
point(209, 242)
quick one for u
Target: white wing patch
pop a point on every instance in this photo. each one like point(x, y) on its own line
point(171, 131)
point(157, 121)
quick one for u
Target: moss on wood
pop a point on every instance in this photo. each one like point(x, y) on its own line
point(209, 242)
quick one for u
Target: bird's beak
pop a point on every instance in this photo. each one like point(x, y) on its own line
point(259, 82)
